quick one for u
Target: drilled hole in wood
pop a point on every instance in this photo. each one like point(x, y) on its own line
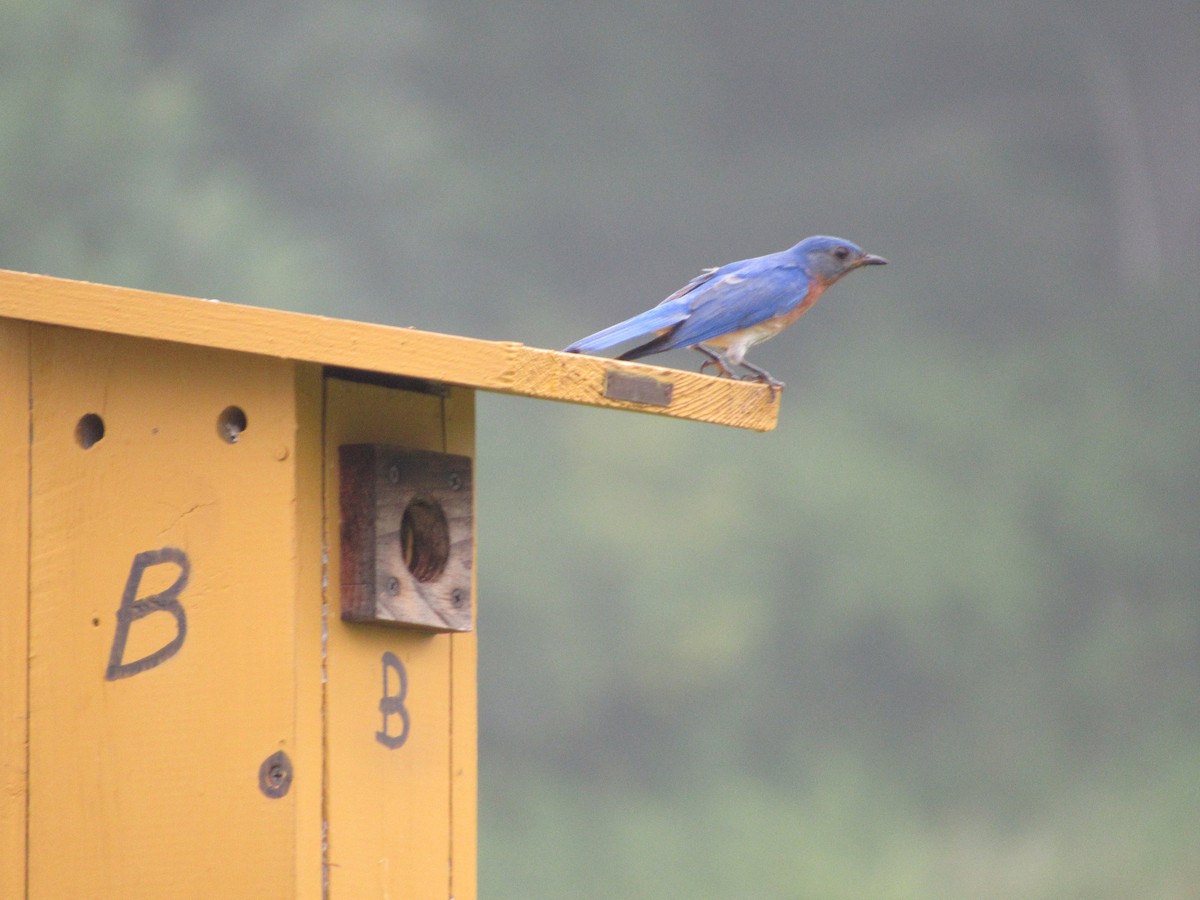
point(424, 538)
point(89, 430)
point(231, 423)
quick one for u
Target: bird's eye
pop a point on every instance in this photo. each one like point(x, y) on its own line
point(841, 252)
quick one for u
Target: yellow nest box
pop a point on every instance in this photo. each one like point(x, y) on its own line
point(237, 594)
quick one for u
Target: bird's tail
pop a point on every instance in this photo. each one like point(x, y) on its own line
point(652, 320)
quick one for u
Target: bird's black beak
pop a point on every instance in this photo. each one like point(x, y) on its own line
point(871, 260)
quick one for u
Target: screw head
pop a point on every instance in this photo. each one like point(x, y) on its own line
point(275, 775)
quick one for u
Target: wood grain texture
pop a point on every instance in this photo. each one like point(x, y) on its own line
point(501, 366)
point(14, 602)
point(408, 548)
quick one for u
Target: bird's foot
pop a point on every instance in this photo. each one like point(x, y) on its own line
point(774, 385)
point(722, 370)
point(763, 377)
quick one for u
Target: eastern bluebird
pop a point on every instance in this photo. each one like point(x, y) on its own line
point(723, 312)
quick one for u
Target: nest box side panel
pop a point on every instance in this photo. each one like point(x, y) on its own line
point(400, 701)
point(163, 657)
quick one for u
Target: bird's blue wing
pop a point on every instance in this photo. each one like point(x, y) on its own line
point(716, 302)
point(705, 276)
point(739, 296)
point(667, 314)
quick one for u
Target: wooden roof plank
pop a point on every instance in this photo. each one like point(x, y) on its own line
point(500, 366)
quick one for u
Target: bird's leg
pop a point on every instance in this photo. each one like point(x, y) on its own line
point(714, 360)
point(764, 376)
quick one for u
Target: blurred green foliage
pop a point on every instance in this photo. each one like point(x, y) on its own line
point(939, 634)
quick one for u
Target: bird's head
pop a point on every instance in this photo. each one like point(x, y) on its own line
point(826, 259)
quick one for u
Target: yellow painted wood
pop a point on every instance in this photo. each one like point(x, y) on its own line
point(148, 785)
point(504, 367)
point(14, 600)
point(309, 624)
point(401, 819)
point(459, 423)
